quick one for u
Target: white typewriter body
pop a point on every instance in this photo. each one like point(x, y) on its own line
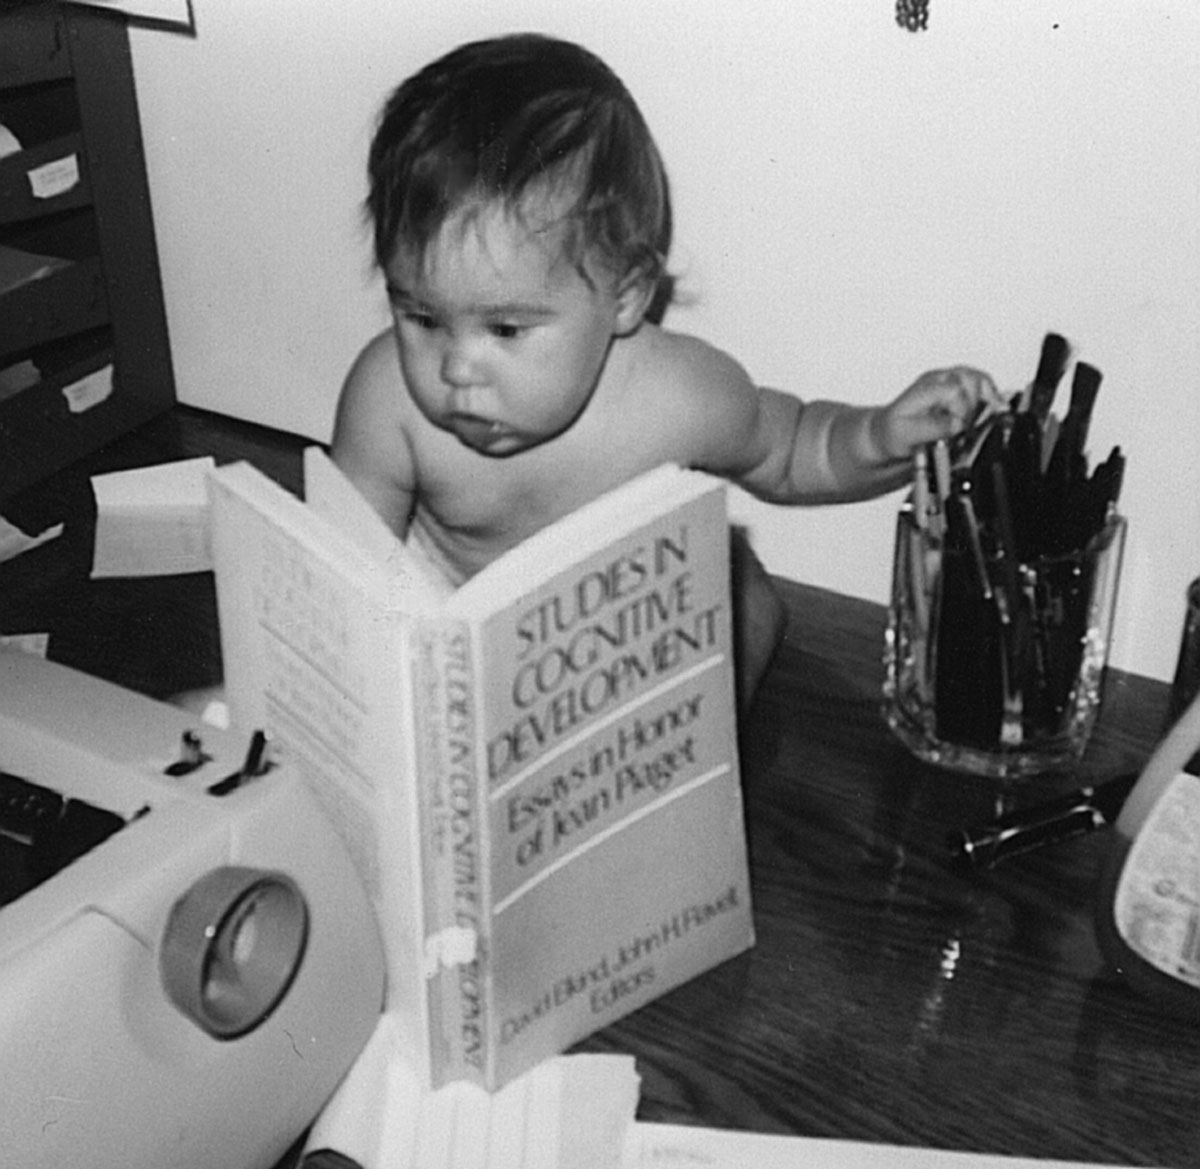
point(99, 1064)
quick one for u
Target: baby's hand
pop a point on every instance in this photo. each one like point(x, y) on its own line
point(939, 404)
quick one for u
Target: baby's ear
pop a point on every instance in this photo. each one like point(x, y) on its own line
point(634, 295)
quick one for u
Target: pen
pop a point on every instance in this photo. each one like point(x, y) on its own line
point(1067, 461)
point(970, 526)
point(1084, 388)
point(1056, 352)
point(1104, 489)
point(1057, 820)
point(1024, 459)
point(1006, 544)
point(942, 474)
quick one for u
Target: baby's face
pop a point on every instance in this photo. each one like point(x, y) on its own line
point(502, 341)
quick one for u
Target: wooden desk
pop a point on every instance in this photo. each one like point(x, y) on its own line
point(888, 999)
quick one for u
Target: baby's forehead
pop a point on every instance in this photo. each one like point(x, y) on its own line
point(496, 231)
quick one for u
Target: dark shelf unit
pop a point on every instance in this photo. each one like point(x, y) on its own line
point(80, 291)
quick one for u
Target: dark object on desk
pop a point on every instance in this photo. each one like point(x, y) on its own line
point(1052, 822)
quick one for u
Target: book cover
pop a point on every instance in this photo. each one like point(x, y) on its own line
point(537, 771)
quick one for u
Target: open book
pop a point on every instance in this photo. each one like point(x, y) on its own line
point(536, 773)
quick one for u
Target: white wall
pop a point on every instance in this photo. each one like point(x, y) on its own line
point(854, 204)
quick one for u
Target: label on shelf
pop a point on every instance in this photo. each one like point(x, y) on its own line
point(89, 391)
point(55, 178)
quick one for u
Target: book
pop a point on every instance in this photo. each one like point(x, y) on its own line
point(536, 771)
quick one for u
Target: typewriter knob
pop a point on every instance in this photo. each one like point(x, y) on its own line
point(232, 945)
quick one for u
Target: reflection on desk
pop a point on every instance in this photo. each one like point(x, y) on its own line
point(889, 998)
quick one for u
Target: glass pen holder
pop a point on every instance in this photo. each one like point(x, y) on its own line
point(997, 669)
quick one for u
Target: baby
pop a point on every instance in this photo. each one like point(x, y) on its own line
point(522, 221)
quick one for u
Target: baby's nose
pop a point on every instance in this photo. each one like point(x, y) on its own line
point(460, 366)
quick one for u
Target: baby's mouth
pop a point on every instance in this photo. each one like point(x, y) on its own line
point(478, 433)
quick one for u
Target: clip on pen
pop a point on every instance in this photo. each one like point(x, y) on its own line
point(920, 492)
point(943, 475)
point(1058, 820)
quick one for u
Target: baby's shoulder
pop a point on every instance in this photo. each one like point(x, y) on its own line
point(687, 365)
point(369, 428)
point(373, 400)
point(687, 401)
point(375, 368)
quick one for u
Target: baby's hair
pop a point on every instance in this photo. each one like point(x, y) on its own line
point(524, 115)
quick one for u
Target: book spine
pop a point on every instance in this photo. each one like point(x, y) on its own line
point(457, 934)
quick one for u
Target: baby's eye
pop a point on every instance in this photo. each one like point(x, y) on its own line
point(409, 314)
point(506, 330)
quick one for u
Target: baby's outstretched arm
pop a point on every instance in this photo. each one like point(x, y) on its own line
point(825, 452)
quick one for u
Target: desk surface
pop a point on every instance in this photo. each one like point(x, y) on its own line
point(888, 998)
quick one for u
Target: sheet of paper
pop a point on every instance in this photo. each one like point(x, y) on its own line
point(669, 1146)
point(572, 1112)
point(153, 521)
point(9, 142)
point(175, 12)
point(13, 541)
point(30, 643)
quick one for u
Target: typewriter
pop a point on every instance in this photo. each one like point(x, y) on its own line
point(188, 963)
